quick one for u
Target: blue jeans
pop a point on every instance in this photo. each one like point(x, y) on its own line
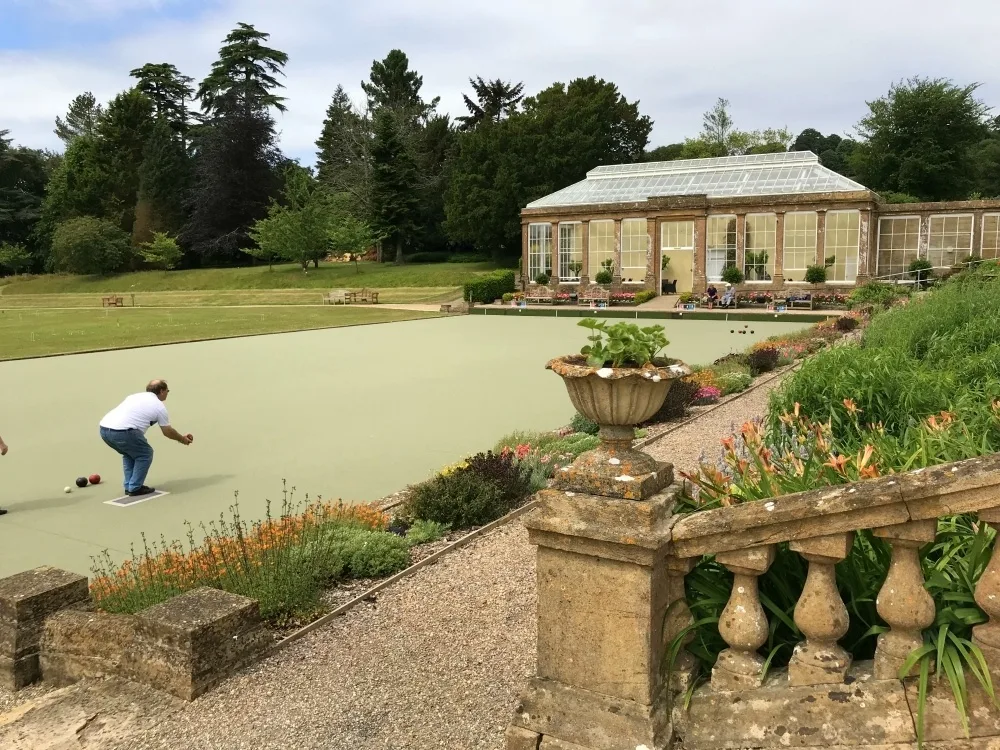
point(136, 452)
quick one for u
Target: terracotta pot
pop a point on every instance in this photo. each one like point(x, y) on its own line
point(612, 396)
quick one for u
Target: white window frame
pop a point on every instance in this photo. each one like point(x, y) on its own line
point(972, 233)
point(774, 247)
point(857, 248)
point(596, 257)
point(545, 241)
point(645, 239)
point(878, 244)
point(709, 260)
point(566, 257)
point(982, 237)
point(664, 224)
point(785, 268)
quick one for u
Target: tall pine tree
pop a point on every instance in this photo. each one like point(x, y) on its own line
point(81, 119)
point(394, 198)
point(343, 159)
point(169, 91)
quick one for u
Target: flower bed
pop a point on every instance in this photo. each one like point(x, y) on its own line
point(622, 298)
point(830, 299)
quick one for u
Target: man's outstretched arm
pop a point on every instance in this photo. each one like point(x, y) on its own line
point(173, 434)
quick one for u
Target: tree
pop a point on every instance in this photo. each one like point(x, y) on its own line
point(169, 91)
point(122, 135)
point(834, 152)
point(394, 178)
point(665, 153)
point(919, 139)
point(298, 228)
point(24, 174)
point(351, 236)
point(717, 125)
point(81, 118)
point(15, 258)
point(393, 86)
point(343, 161)
point(87, 245)
point(164, 181)
point(161, 251)
point(720, 137)
point(495, 101)
point(244, 75)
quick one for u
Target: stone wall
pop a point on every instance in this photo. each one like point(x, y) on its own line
point(184, 646)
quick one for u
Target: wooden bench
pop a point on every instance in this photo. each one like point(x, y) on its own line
point(594, 294)
point(335, 297)
point(112, 300)
point(539, 294)
point(800, 300)
point(368, 296)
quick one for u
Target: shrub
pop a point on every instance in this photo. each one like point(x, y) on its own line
point(734, 382)
point(679, 398)
point(703, 377)
point(365, 553)
point(162, 251)
point(502, 471)
point(708, 394)
point(16, 258)
point(86, 245)
point(875, 293)
point(731, 274)
point(468, 258)
point(761, 359)
point(424, 532)
point(644, 296)
point(491, 286)
point(542, 279)
point(507, 297)
point(816, 274)
point(604, 277)
point(846, 323)
point(461, 500)
point(429, 257)
point(920, 269)
point(580, 423)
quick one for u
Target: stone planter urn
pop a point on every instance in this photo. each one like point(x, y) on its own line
point(617, 399)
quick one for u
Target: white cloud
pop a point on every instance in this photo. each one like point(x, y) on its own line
point(780, 62)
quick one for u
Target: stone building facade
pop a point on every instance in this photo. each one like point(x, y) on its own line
point(772, 215)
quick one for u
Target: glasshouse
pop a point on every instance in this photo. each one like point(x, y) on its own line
point(677, 226)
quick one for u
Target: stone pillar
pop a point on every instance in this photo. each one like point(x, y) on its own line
point(924, 236)
point(778, 277)
point(821, 238)
point(554, 279)
point(26, 601)
point(821, 615)
point(605, 590)
point(987, 635)
point(585, 273)
point(741, 241)
point(977, 234)
point(652, 254)
point(700, 281)
point(903, 602)
point(616, 277)
point(743, 624)
point(524, 258)
point(866, 257)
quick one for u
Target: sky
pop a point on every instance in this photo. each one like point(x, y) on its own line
point(781, 63)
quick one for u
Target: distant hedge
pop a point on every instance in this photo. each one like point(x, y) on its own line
point(490, 287)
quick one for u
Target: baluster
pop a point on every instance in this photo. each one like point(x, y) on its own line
point(820, 614)
point(987, 635)
point(903, 602)
point(743, 624)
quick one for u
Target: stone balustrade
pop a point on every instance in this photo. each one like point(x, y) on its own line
point(611, 601)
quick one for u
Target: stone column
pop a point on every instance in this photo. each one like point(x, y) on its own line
point(616, 277)
point(700, 281)
point(585, 273)
point(743, 624)
point(652, 254)
point(778, 277)
point(924, 237)
point(554, 279)
point(741, 241)
point(821, 615)
point(605, 589)
point(524, 258)
point(987, 635)
point(977, 234)
point(821, 238)
point(903, 602)
point(866, 258)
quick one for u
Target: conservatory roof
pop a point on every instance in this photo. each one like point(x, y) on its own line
point(725, 177)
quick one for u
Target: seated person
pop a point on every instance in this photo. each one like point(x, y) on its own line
point(729, 298)
point(711, 295)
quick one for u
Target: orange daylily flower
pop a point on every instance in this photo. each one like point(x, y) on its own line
point(837, 463)
point(851, 407)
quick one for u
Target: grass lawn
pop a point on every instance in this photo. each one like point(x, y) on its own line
point(27, 333)
point(286, 276)
point(224, 297)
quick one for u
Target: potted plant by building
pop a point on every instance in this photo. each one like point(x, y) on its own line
point(731, 274)
point(607, 273)
point(543, 278)
point(618, 381)
point(816, 274)
point(920, 269)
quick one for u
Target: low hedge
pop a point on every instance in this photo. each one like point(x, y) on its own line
point(489, 287)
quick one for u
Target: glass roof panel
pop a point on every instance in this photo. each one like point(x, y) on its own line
point(725, 177)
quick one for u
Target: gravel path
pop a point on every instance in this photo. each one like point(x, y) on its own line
point(436, 662)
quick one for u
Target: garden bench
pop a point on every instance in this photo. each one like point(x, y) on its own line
point(540, 294)
point(336, 297)
point(367, 295)
point(800, 300)
point(594, 294)
point(112, 300)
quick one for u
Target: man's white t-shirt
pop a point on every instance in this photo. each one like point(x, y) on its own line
point(140, 411)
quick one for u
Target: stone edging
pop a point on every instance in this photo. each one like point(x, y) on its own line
point(457, 544)
point(760, 382)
